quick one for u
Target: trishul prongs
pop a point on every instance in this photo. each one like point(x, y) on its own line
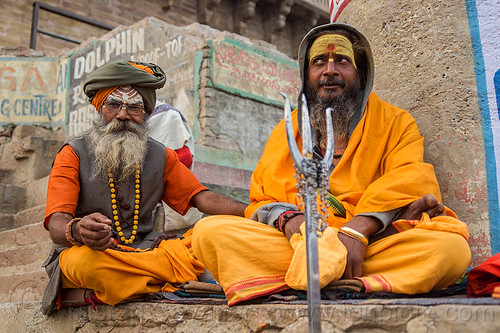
point(307, 142)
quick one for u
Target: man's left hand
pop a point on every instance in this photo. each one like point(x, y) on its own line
point(355, 249)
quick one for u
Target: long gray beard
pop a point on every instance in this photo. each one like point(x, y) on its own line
point(343, 109)
point(119, 146)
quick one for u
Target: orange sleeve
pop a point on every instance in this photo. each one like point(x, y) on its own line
point(180, 185)
point(64, 186)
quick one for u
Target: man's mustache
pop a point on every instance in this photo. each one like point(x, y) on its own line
point(330, 82)
point(122, 125)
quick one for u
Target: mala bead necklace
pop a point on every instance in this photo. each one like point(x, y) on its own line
point(116, 220)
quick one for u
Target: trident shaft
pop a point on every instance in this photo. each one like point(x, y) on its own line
point(311, 174)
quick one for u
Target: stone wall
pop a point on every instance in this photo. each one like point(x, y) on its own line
point(285, 318)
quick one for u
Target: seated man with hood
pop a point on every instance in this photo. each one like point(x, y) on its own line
point(388, 230)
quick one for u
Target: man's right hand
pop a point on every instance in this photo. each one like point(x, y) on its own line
point(94, 230)
point(293, 225)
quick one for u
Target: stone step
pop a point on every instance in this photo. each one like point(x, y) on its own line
point(25, 235)
point(284, 318)
point(24, 256)
point(23, 287)
point(21, 269)
point(29, 216)
point(12, 198)
point(24, 217)
point(6, 221)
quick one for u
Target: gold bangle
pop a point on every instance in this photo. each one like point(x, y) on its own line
point(354, 234)
point(69, 233)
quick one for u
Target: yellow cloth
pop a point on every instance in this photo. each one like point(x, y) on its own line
point(250, 259)
point(382, 169)
point(332, 256)
point(422, 258)
point(116, 276)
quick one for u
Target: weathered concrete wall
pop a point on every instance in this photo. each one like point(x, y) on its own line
point(28, 92)
point(424, 64)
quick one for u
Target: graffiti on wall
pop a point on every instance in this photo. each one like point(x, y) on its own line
point(248, 72)
point(137, 43)
point(120, 46)
point(32, 92)
point(484, 24)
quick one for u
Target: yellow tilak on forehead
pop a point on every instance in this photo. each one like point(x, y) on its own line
point(337, 44)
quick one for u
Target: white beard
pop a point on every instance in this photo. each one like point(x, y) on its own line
point(119, 146)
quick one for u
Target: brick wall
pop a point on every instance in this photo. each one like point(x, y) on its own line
point(16, 17)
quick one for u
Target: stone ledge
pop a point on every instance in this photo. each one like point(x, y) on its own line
point(338, 318)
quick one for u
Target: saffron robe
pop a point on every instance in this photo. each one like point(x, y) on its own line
point(115, 275)
point(382, 169)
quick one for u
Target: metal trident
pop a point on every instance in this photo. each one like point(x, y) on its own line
point(311, 175)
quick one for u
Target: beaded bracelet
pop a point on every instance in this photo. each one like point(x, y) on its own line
point(285, 217)
point(69, 232)
point(276, 222)
point(354, 234)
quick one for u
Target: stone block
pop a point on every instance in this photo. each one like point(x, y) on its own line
point(25, 287)
point(231, 192)
point(12, 198)
point(37, 194)
point(30, 216)
point(26, 235)
point(30, 255)
point(6, 175)
point(163, 317)
point(6, 221)
point(44, 159)
point(233, 123)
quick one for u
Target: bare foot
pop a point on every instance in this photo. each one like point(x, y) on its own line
point(427, 204)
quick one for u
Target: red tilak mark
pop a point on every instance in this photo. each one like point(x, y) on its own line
point(331, 47)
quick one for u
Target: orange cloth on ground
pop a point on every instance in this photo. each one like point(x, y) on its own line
point(62, 192)
point(116, 276)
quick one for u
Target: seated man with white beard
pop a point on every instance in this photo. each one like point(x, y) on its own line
point(102, 190)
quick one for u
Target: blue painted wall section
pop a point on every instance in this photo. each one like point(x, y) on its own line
point(491, 168)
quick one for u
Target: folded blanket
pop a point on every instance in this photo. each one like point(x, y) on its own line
point(484, 278)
